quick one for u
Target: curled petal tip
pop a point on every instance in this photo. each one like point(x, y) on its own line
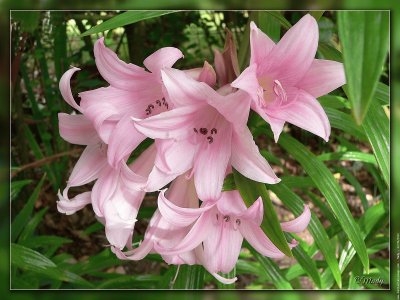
point(223, 279)
point(136, 119)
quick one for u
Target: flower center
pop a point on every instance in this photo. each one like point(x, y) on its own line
point(272, 91)
point(157, 107)
point(209, 134)
point(227, 220)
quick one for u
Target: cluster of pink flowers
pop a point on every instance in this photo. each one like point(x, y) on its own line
point(197, 119)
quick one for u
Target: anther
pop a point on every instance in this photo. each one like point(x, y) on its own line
point(195, 130)
point(226, 218)
point(203, 131)
point(163, 101)
point(158, 102)
point(151, 106)
point(214, 130)
point(238, 222)
point(210, 139)
point(216, 216)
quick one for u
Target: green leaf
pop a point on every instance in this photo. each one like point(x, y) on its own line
point(329, 187)
point(272, 270)
point(17, 186)
point(147, 281)
point(365, 40)
point(354, 182)
point(317, 14)
point(126, 18)
point(189, 277)
point(307, 263)
point(382, 93)
point(327, 51)
point(30, 260)
point(32, 224)
point(280, 18)
point(348, 155)
point(345, 122)
point(317, 230)
point(376, 126)
point(24, 215)
point(250, 191)
point(269, 25)
point(229, 183)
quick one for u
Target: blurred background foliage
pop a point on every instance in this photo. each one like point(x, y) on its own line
point(51, 250)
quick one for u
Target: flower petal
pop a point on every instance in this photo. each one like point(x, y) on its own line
point(222, 246)
point(124, 139)
point(211, 162)
point(174, 156)
point(103, 189)
point(322, 77)
point(65, 88)
point(179, 216)
point(260, 44)
point(235, 107)
point(291, 58)
point(158, 179)
point(205, 74)
point(77, 129)
point(258, 240)
point(184, 90)
point(71, 206)
point(247, 159)
point(255, 212)
point(231, 203)
point(174, 124)
point(223, 279)
point(120, 74)
point(89, 166)
point(136, 254)
point(196, 235)
point(304, 111)
point(298, 224)
point(248, 82)
point(164, 57)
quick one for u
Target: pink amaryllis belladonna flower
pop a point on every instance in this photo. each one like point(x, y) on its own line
point(160, 231)
point(284, 79)
point(133, 91)
point(114, 202)
point(205, 133)
point(220, 228)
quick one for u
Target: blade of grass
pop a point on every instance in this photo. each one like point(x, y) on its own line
point(126, 18)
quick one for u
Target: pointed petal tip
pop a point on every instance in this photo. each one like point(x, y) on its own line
point(223, 279)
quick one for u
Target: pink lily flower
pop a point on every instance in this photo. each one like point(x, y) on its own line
point(205, 133)
point(220, 228)
point(285, 79)
point(132, 91)
point(161, 232)
point(114, 201)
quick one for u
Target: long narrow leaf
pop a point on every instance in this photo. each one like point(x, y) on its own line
point(126, 18)
point(328, 186)
point(365, 40)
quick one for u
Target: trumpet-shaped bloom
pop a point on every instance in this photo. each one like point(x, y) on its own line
point(285, 79)
point(114, 200)
point(220, 228)
point(161, 232)
point(205, 133)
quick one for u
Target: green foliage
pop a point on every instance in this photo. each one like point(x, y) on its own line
point(365, 40)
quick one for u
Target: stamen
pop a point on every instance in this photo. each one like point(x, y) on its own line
point(227, 218)
point(158, 102)
point(195, 130)
point(214, 130)
point(238, 222)
point(279, 91)
point(151, 106)
point(203, 131)
point(210, 139)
